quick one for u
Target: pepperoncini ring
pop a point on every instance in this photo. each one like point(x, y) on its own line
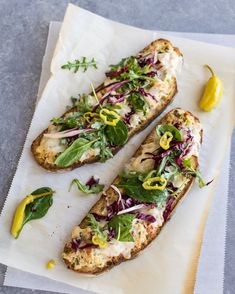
point(165, 140)
point(212, 93)
point(89, 116)
point(152, 183)
point(99, 241)
point(104, 113)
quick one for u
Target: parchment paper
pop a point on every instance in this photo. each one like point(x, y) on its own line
point(210, 270)
point(174, 252)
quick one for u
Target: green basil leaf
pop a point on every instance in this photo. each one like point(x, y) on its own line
point(122, 225)
point(74, 152)
point(133, 188)
point(161, 129)
point(96, 188)
point(117, 135)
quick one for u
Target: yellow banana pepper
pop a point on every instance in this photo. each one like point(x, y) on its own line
point(156, 183)
point(165, 140)
point(212, 93)
point(99, 241)
point(104, 113)
point(20, 212)
point(89, 116)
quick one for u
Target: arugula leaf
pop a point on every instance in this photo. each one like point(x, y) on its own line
point(102, 143)
point(133, 188)
point(96, 227)
point(38, 208)
point(83, 63)
point(196, 173)
point(135, 74)
point(161, 129)
point(122, 225)
point(138, 102)
point(82, 103)
point(70, 122)
point(117, 135)
point(74, 152)
point(96, 188)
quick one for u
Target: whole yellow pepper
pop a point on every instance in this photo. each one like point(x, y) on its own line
point(148, 184)
point(20, 212)
point(212, 93)
point(99, 241)
point(165, 140)
point(104, 113)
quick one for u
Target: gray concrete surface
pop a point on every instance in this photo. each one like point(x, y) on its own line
point(23, 33)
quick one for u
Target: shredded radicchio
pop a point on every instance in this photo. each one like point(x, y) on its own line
point(142, 92)
point(146, 60)
point(111, 234)
point(113, 74)
point(121, 204)
point(128, 116)
point(168, 208)
point(92, 181)
point(147, 217)
point(77, 244)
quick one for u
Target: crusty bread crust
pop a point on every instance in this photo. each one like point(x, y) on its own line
point(102, 202)
point(151, 116)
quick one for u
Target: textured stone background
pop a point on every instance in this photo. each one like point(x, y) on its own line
point(23, 34)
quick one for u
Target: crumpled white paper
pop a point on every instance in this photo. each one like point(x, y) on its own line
point(177, 247)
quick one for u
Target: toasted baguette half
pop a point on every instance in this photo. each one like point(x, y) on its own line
point(94, 260)
point(46, 150)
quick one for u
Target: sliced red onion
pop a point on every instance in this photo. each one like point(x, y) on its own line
point(114, 87)
point(66, 134)
point(136, 207)
point(119, 195)
point(113, 100)
point(118, 85)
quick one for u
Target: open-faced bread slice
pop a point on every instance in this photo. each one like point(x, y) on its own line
point(132, 211)
point(135, 92)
